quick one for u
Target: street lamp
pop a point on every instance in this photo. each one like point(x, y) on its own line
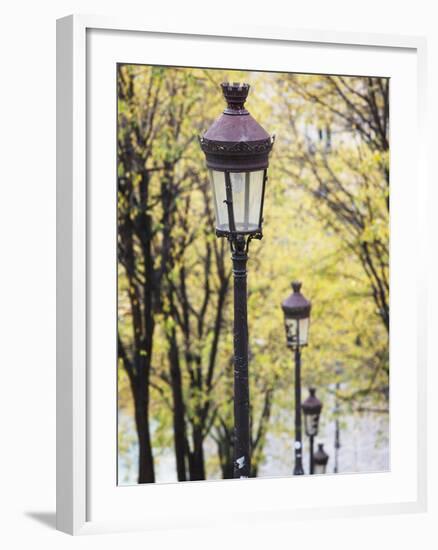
point(320, 460)
point(237, 148)
point(312, 409)
point(296, 309)
point(336, 411)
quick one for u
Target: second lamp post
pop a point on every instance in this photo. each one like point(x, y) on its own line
point(296, 311)
point(236, 148)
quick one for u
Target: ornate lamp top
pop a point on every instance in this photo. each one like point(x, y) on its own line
point(321, 457)
point(312, 405)
point(236, 141)
point(296, 305)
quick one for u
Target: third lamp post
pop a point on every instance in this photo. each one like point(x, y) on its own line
point(237, 148)
point(296, 309)
point(312, 407)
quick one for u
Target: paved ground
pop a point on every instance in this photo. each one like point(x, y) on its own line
point(364, 448)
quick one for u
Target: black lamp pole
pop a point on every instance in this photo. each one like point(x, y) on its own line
point(337, 426)
point(311, 461)
point(237, 148)
point(298, 467)
point(242, 457)
point(337, 445)
point(296, 309)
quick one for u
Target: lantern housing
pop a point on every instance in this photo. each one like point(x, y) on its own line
point(236, 148)
point(311, 407)
point(320, 460)
point(296, 309)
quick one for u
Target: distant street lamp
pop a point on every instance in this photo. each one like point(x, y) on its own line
point(320, 460)
point(296, 309)
point(337, 425)
point(237, 148)
point(312, 407)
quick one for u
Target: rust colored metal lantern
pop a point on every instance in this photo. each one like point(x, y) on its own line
point(237, 148)
point(320, 459)
point(296, 309)
point(312, 407)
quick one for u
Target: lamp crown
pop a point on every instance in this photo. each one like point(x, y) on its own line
point(296, 305)
point(235, 94)
point(296, 286)
point(312, 405)
point(321, 457)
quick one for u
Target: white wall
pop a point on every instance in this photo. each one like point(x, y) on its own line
point(27, 287)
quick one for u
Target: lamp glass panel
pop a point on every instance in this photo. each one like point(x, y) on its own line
point(256, 197)
point(247, 191)
point(291, 331)
point(219, 195)
point(240, 191)
point(311, 423)
point(304, 331)
point(320, 468)
point(292, 327)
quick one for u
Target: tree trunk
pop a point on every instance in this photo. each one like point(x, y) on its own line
point(146, 473)
point(226, 457)
point(178, 409)
point(196, 458)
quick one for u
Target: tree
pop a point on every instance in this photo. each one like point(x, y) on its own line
point(339, 154)
point(343, 162)
point(325, 222)
point(149, 149)
point(194, 321)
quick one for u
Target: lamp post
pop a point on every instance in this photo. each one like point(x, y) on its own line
point(296, 309)
point(337, 426)
point(320, 460)
point(237, 148)
point(312, 407)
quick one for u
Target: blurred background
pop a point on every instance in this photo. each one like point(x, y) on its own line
point(326, 223)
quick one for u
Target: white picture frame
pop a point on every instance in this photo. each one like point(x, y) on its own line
point(76, 393)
